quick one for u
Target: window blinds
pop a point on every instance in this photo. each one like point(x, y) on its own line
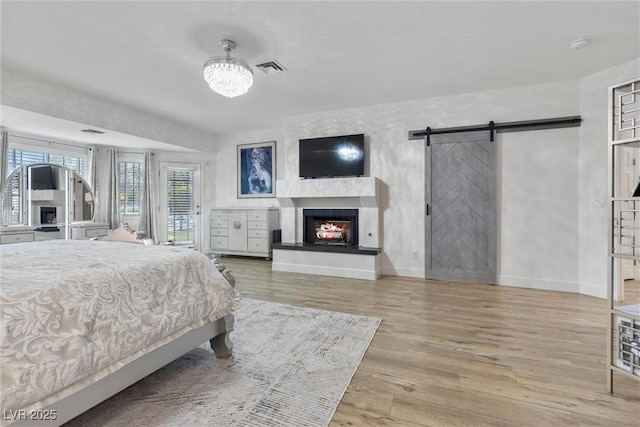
point(26, 151)
point(180, 215)
point(130, 186)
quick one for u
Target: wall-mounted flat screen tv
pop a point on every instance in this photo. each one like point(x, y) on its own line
point(42, 178)
point(332, 156)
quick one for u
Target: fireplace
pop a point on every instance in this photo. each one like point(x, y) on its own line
point(47, 215)
point(331, 226)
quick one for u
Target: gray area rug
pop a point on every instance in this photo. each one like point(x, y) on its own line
point(290, 367)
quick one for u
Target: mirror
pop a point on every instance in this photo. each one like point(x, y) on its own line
point(46, 196)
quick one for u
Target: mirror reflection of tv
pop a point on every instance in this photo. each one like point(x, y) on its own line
point(332, 156)
point(42, 178)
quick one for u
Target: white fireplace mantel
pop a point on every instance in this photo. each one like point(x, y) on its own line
point(290, 192)
point(296, 194)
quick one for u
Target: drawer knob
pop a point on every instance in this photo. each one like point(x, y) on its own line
point(237, 225)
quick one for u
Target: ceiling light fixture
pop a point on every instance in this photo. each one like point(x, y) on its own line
point(228, 76)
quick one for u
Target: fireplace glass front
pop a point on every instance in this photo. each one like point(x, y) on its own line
point(47, 215)
point(331, 226)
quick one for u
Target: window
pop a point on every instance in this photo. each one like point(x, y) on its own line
point(76, 162)
point(26, 150)
point(131, 176)
point(12, 208)
point(180, 201)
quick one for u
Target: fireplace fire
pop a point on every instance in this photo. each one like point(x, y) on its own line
point(330, 232)
point(331, 226)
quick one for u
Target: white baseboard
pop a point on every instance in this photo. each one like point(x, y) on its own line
point(593, 290)
point(533, 283)
point(403, 272)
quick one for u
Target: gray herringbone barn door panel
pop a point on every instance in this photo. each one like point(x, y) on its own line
point(461, 231)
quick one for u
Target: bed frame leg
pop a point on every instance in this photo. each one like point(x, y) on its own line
point(221, 344)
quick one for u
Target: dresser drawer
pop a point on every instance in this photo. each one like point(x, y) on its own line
point(257, 216)
point(258, 245)
point(95, 232)
point(219, 232)
point(257, 225)
point(260, 234)
point(218, 215)
point(219, 223)
point(219, 242)
point(16, 238)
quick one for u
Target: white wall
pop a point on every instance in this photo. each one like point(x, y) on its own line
point(399, 164)
point(593, 166)
point(538, 215)
point(550, 233)
point(227, 165)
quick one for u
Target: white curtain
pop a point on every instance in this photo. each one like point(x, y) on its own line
point(4, 152)
point(105, 187)
point(148, 225)
point(9, 214)
point(93, 169)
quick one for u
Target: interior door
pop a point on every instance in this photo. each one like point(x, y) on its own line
point(179, 212)
point(460, 212)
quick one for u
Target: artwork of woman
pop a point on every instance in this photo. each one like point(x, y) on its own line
point(260, 177)
point(256, 164)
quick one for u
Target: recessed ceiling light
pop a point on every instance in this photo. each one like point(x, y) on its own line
point(579, 43)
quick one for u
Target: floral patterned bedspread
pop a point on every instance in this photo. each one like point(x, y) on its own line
point(73, 307)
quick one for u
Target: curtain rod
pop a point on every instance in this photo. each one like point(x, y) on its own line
point(552, 123)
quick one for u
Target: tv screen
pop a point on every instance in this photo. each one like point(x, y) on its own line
point(42, 178)
point(332, 156)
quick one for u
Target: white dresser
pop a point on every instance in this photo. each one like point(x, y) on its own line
point(88, 230)
point(16, 234)
point(243, 231)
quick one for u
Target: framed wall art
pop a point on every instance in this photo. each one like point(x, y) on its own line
point(256, 170)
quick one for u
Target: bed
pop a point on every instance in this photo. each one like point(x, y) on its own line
point(82, 320)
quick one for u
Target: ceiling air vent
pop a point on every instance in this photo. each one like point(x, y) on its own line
point(270, 67)
point(92, 131)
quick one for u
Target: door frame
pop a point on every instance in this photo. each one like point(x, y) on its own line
point(197, 167)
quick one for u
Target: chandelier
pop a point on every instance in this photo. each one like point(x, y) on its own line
point(228, 76)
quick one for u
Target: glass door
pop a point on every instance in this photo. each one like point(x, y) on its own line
point(180, 203)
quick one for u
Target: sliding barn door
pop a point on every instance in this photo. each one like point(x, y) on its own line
point(460, 195)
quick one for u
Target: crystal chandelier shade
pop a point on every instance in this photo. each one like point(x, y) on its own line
point(228, 76)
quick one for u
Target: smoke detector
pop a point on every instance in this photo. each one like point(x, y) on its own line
point(579, 43)
point(270, 67)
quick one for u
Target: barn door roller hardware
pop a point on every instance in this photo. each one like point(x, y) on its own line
point(552, 123)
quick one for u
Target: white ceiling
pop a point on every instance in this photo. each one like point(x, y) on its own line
point(149, 55)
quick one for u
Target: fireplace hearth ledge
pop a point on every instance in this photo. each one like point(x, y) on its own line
point(292, 259)
point(338, 249)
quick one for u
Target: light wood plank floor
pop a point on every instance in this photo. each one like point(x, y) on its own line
point(450, 354)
